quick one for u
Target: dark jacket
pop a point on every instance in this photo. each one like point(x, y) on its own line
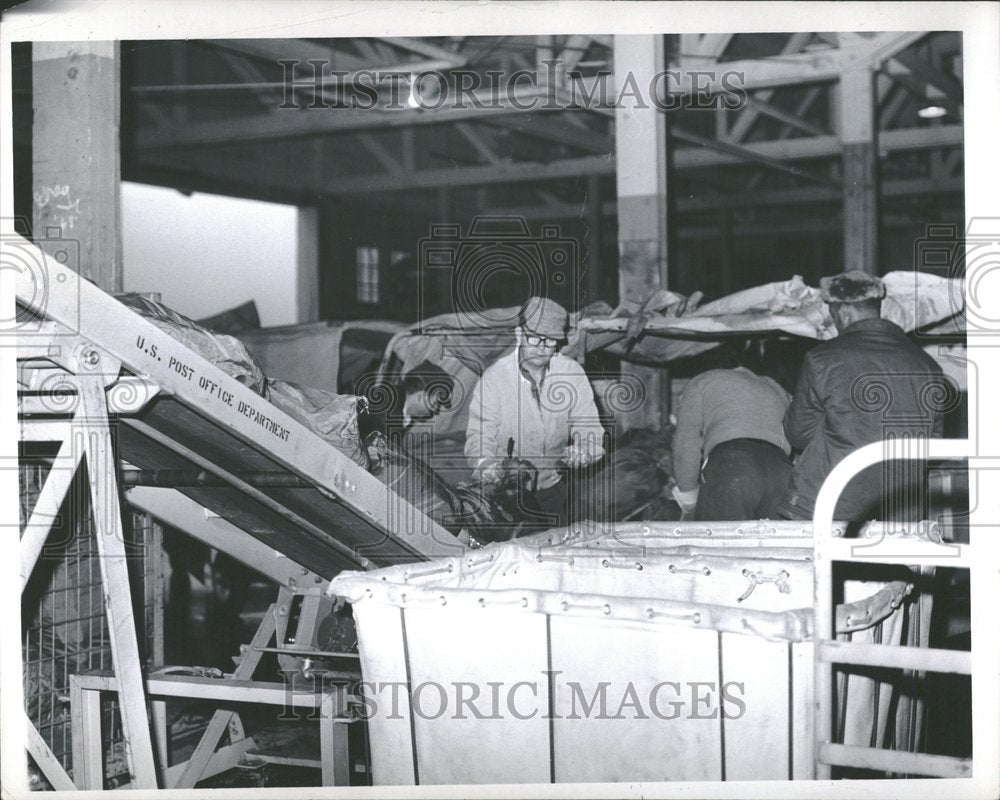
point(869, 384)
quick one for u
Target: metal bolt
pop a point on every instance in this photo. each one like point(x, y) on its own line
point(91, 357)
point(317, 579)
point(282, 610)
point(292, 582)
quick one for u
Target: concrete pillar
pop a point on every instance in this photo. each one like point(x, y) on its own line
point(76, 167)
point(641, 179)
point(307, 264)
point(857, 129)
point(595, 240)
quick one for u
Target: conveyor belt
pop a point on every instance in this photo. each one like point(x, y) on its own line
point(203, 418)
point(343, 526)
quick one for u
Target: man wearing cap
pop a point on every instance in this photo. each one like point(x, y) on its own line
point(541, 400)
point(869, 384)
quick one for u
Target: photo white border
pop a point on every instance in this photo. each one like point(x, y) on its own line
point(980, 25)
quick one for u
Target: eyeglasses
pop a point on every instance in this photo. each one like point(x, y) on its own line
point(534, 340)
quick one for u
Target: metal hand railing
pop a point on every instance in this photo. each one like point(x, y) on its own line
point(828, 548)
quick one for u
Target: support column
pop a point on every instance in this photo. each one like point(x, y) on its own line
point(335, 756)
point(307, 264)
point(339, 222)
point(641, 175)
point(857, 130)
point(595, 239)
point(76, 165)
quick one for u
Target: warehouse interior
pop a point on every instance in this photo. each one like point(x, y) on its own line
point(274, 207)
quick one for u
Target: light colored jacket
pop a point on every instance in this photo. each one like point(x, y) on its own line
point(504, 407)
point(720, 405)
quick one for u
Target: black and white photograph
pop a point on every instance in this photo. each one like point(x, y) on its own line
point(500, 399)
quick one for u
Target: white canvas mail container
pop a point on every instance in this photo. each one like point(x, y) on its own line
point(633, 654)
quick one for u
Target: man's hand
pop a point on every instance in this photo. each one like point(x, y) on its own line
point(576, 456)
point(491, 471)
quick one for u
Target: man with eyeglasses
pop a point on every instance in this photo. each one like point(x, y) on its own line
point(543, 401)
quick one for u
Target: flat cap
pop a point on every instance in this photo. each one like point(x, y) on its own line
point(544, 317)
point(851, 287)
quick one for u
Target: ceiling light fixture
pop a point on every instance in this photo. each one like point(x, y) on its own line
point(412, 100)
point(932, 112)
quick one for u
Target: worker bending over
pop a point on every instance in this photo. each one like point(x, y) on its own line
point(730, 452)
point(869, 384)
point(394, 407)
point(542, 401)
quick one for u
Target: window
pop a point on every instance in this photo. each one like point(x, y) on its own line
point(368, 275)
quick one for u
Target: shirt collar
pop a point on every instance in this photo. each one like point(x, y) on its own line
point(871, 324)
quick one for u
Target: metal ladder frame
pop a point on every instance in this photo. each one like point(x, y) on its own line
point(829, 652)
point(81, 424)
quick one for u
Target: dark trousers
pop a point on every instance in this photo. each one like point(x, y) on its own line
point(893, 491)
point(744, 479)
point(554, 504)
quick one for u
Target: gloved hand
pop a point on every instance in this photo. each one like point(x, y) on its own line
point(491, 471)
point(686, 500)
point(575, 456)
point(581, 453)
